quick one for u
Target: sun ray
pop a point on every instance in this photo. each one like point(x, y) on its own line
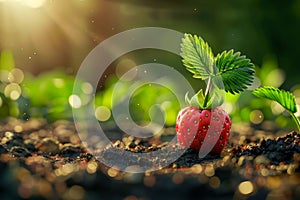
point(47, 33)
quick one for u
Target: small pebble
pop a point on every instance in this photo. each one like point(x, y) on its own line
point(48, 145)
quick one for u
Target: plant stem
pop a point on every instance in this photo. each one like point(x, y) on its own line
point(296, 120)
point(206, 95)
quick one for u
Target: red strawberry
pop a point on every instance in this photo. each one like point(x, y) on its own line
point(204, 126)
point(194, 124)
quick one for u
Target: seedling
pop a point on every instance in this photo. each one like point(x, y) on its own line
point(284, 98)
point(204, 118)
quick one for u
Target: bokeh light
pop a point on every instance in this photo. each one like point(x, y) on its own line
point(12, 91)
point(87, 88)
point(75, 192)
point(256, 117)
point(214, 182)
point(112, 172)
point(15, 76)
point(228, 107)
point(276, 108)
point(102, 113)
point(75, 101)
point(92, 167)
point(246, 187)
point(124, 66)
point(58, 82)
point(275, 78)
point(209, 170)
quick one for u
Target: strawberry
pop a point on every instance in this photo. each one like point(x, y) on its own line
point(193, 125)
point(204, 125)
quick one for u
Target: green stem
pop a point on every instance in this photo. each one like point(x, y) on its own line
point(296, 120)
point(206, 95)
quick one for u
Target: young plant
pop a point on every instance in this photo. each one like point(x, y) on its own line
point(284, 98)
point(204, 124)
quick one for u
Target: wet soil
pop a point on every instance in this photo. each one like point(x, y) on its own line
point(48, 161)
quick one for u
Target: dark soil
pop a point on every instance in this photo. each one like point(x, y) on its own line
point(48, 161)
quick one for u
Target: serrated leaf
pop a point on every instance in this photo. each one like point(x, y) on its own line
point(197, 56)
point(284, 98)
point(236, 70)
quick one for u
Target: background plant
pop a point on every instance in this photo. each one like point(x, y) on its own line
point(47, 95)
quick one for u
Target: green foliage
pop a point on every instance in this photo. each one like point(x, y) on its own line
point(49, 95)
point(141, 101)
point(7, 106)
point(197, 56)
point(269, 73)
point(284, 98)
point(237, 71)
point(144, 98)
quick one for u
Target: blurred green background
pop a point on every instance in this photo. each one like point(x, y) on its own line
point(44, 42)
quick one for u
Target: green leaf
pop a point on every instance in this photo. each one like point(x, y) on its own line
point(284, 98)
point(217, 98)
point(198, 99)
point(194, 101)
point(237, 71)
point(197, 56)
